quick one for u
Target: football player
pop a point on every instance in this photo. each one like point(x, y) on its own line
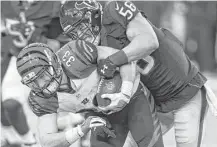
point(176, 84)
point(15, 129)
point(68, 81)
point(24, 22)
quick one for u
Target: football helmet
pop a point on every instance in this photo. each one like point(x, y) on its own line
point(82, 20)
point(39, 68)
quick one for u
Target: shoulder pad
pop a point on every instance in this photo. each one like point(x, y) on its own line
point(41, 105)
point(78, 58)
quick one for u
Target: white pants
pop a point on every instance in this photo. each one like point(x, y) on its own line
point(187, 122)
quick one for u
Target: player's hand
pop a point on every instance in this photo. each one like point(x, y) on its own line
point(93, 122)
point(103, 130)
point(118, 102)
point(106, 68)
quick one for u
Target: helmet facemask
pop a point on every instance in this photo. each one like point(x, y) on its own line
point(40, 69)
point(83, 22)
point(46, 81)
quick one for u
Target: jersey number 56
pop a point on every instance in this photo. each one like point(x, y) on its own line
point(126, 10)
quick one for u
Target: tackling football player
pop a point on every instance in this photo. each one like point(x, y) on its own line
point(68, 81)
point(176, 84)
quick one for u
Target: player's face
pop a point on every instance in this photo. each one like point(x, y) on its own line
point(84, 32)
point(45, 82)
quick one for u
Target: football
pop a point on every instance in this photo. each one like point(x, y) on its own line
point(108, 86)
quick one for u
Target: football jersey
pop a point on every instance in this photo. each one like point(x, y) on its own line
point(37, 13)
point(77, 59)
point(166, 71)
point(83, 78)
point(79, 99)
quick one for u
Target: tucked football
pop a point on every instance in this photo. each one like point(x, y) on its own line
point(108, 86)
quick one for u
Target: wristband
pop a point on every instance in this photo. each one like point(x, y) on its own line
point(119, 58)
point(80, 132)
point(126, 88)
point(72, 135)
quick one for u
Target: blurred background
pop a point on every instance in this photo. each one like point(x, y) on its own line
point(193, 22)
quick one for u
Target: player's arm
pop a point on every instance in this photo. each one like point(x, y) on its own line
point(127, 72)
point(50, 137)
point(143, 40)
point(48, 132)
point(46, 110)
point(128, 76)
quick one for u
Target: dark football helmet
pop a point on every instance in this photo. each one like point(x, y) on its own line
point(82, 20)
point(39, 68)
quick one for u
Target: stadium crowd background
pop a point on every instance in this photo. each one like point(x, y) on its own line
point(193, 22)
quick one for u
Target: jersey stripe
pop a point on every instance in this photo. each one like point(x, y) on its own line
point(40, 60)
point(31, 50)
point(88, 49)
point(81, 50)
point(26, 69)
point(156, 122)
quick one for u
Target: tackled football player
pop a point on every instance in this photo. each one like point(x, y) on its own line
point(68, 81)
point(176, 84)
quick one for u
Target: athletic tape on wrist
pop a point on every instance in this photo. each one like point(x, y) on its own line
point(126, 88)
point(72, 135)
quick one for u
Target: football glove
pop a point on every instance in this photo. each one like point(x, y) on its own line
point(106, 68)
point(95, 122)
point(103, 132)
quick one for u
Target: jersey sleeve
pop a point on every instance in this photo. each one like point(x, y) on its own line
point(120, 11)
point(78, 58)
point(41, 105)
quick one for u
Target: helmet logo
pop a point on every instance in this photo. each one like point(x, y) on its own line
point(104, 68)
point(73, 13)
point(89, 4)
point(28, 76)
